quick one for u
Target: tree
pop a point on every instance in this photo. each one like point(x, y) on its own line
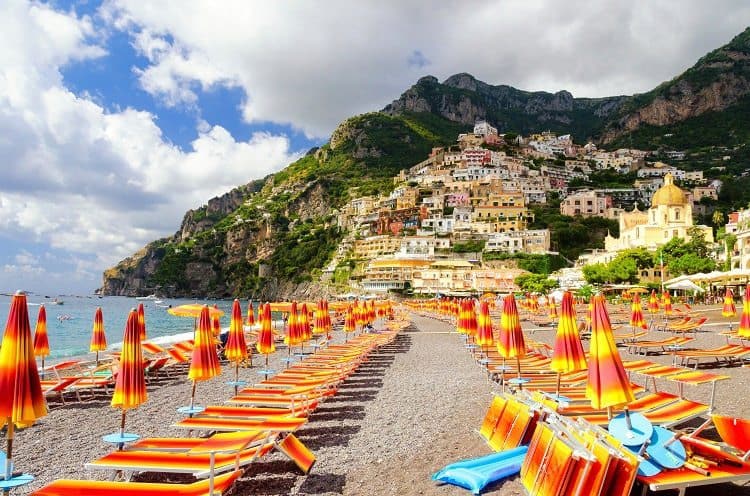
point(535, 283)
point(718, 218)
point(596, 273)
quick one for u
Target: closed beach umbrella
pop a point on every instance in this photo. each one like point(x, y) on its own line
point(552, 308)
point(350, 322)
point(744, 329)
point(98, 338)
point(653, 303)
point(471, 319)
point(666, 300)
point(265, 344)
point(293, 337)
point(484, 326)
point(511, 343)
point(41, 342)
point(250, 314)
point(215, 323)
point(21, 398)
point(327, 319)
point(142, 321)
point(729, 310)
point(636, 313)
point(608, 383)
point(130, 386)
point(320, 319)
point(204, 363)
point(567, 352)
point(304, 324)
point(236, 349)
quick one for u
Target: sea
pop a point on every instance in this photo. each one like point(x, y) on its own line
point(70, 324)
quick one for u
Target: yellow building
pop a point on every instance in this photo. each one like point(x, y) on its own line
point(670, 216)
point(375, 246)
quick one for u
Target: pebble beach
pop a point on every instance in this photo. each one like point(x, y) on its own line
point(409, 410)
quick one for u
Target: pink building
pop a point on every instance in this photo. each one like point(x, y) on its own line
point(586, 204)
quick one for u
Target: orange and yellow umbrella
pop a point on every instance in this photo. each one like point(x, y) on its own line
point(250, 314)
point(41, 341)
point(204, 363)
point(608, 383)
point(484, 326)
point(350, 321)
point(511, 342)
point(653, 303)
point(293, 330)
point(729, 309)
point(552, 308)
point(193, 310)
point(98, 338)
point(142, 321)
point(666, 300)
point(744, 329)
point(21, 398)
point(265, 344)
point(567, 351)
point(636, 313)
point(236, 348)
point(130, 386)
point(304, 324)
point(471, 319)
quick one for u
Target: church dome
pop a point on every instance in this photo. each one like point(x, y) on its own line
point(669, 194)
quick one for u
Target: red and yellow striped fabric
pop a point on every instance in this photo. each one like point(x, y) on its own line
point(744, 328)
point(484, 330)
point(666, 301)
point(215, 323)
point(471, 319)
point(298, 452)
point(98, 338)
point(236, 349)
point(567, 352)
point(204, 363)
point(142, 321)
point(21, 399)
point(250, 314)
point(130, 387)
point(41, 342)
point(350, 321)
point(729, 310)
point(653, 303)
point(304, 323)
point(265, 344)
point(636, 313)
point(293, 336)
point(608, 383)
point(510, 342)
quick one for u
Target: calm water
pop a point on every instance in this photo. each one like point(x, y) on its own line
point(71, 337)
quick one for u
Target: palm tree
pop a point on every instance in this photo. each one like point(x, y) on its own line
point(718, 218)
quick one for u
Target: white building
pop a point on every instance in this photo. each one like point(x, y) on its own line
point(483, 128)
point(528, 241)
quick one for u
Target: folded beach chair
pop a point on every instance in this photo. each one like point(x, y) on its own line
point(690, 326)
point(68, 487)
point(549, 460)
point(57, 387)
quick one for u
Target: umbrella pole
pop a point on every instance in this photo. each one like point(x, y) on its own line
point(518, 366)
point(192, 396)
point(266, 374)
point(97, 359)
point(557, 391)
point(236, 376)
point(730, 329)
point(9, 455)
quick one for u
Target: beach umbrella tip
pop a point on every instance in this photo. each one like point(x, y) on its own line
point(20, 292)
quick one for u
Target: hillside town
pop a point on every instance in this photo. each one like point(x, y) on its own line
point(464, 212)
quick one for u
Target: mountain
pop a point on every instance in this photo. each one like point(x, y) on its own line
point(270, 238)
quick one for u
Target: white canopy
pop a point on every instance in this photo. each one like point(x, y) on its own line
point(685, 285)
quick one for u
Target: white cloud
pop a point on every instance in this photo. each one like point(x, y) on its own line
point(313, 65)
point(92, 182)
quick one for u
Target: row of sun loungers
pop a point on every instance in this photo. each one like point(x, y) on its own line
point(259, 419)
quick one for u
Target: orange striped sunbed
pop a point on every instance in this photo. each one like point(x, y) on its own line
point(68, 487)
point(493, 415)
point(672, 413)
point(661, 345)
point(282, 424)
point(57, 387)
point(245, 412)
point(199, 463)
point(548, 466)
point(728, 353)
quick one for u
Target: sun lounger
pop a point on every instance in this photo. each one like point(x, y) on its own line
point(57, 387)
point(218, 454)
point(728, 353)
point(661, 345)
point(68, 487)
point(283, 424)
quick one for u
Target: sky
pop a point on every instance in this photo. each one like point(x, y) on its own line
point(118, 116)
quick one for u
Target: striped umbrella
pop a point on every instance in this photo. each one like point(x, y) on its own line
point(567, 352)
point(265, 344)
point(551, 308)
point(350, 321)
point(21, 399)
point(250, 314)
point(142, 321)
point(204, 363)
point(653, 303)
point(320, 320)
point(729, 309)
point(666, 300)
point(98, 338)
point(471, 319)
point(215, 322)
point(636, 314)
point(41, 341)
point(484, 327)
point(608, 383)
point(511, 342)
point(236, 348)
point(744, 329)
point(130, 386)
point(303, 322)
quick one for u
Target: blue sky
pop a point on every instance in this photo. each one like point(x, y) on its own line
point(117, 116)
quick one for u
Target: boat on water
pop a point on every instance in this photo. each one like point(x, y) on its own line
point(149, 297)
point(64, 317)
point(56, 302)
